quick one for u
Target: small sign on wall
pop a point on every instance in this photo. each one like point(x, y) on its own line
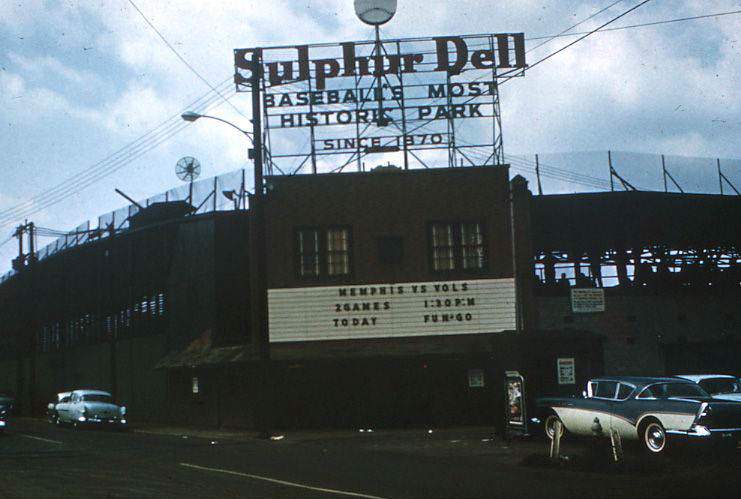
point(566, 371)
point(476, 378)
point(587, 300)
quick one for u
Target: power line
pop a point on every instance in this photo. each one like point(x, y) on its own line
point(182, 59)
point(571, 44)
point(100, 170)
point(640, 25)
point(205, 100)
point(562, 33)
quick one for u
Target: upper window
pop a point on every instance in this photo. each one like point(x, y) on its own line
point(606, 389)
point(308, 252)
point(624, 391)
point(720, 385)
point(323, 252)
point(457, 246)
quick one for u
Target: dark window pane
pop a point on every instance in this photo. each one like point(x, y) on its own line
point(308, 252)
point(624, 391)
point(606, 389)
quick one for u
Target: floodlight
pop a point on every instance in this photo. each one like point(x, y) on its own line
point(375, 12)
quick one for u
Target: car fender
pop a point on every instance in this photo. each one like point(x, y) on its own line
point(681, 421)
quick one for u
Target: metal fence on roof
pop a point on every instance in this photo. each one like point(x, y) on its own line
point(221, 193)
point(572, 172)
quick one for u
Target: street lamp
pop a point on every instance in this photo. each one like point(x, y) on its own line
point(258, 253)
point(192, 116)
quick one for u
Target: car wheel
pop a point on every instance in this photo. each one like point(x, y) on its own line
point(654, 437)
point(550, 426)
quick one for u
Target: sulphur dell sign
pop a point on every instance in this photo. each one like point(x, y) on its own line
point(409, 98)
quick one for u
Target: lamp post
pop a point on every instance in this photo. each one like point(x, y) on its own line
point(257, 254)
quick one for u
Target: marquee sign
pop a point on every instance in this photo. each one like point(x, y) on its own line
point(391, 310)
point(406, 97)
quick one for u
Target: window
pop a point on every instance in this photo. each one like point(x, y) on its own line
point(308, 253)
point(472, 246)
point(338, 251)
point(443, 257)
point(458, 245)
point(323, 252)
point(720, 385)
point(606, 389)
point(624, 391)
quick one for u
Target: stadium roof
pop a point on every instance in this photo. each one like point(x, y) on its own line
point(606, 220)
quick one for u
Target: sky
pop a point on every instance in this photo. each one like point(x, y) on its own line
point(80, 80)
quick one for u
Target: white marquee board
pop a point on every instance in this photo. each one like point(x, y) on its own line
point(392, 310)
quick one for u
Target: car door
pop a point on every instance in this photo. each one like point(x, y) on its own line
point(590, 415)
point(63, 409)
point(625, 411)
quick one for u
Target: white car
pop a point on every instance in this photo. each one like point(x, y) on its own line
point(719, 386)
point(91, 407)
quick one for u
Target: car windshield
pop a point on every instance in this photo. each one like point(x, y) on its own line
point(96, 397)
point(666, 390)
point(721, 385)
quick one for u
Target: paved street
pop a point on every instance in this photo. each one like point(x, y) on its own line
point(40, 460)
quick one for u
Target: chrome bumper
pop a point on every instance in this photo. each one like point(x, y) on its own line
point(99, 420)
point(703, 432)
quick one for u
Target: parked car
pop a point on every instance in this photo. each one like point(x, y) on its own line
point(719, 386)
point(650, 410)
point(91, 407)
point(51, 409)
point(6, 407)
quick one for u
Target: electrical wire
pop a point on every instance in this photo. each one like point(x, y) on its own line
point(642, 25)
point(17, 211)
point(201, 102)
point(562, 33)
point(571, 44)
point(182, 59)
point(105, 167)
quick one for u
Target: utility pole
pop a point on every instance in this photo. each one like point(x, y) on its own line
point(258, 255)
point(32, 316)
point(537, 174)
point(609, 162)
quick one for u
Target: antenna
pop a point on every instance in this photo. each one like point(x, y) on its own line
point(188, 169)
point(376, 13)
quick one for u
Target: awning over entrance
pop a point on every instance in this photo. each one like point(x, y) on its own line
point(201, 353)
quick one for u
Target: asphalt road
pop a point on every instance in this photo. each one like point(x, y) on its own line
point(40, 460)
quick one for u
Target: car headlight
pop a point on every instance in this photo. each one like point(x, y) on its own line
point(122, 410)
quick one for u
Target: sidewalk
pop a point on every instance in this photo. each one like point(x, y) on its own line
point(417, 441)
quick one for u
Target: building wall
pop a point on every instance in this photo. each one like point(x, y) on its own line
point(117, 307)
point(388, 203)
point(639, 327)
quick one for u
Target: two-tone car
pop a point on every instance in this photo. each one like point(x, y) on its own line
point(719, 386)
point(650, 410)
point(51, 409)
point(89, 408)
